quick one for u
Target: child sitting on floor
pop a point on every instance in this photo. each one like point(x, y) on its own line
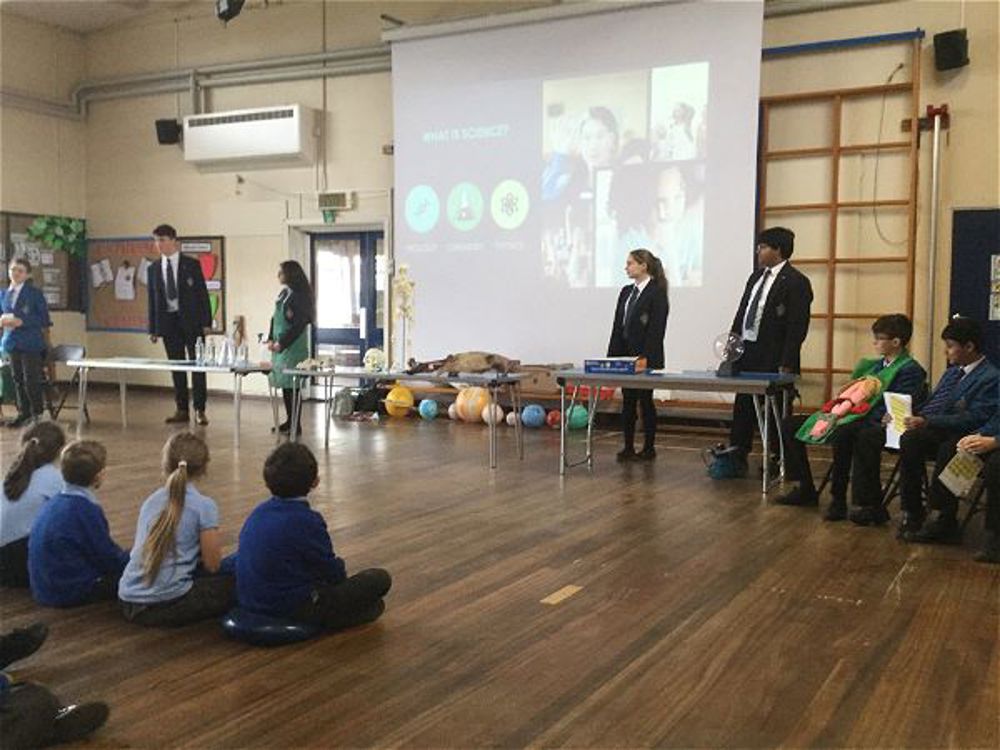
point(72, 559)
point(33, 478)
point(286, 566)
point(171, 576)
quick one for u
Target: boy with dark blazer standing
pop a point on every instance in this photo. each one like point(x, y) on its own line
point(772, 319)
point(179, 313)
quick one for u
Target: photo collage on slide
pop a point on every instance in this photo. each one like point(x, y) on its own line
point(624, 168)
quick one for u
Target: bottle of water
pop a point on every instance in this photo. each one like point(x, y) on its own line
point(243, 355)
point(210, 352)
point(199, 351)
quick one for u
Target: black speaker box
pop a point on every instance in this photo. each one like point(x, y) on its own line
point(168, 132)
point(951, 49)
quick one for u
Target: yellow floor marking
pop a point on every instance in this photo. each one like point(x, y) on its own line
point(564, 593)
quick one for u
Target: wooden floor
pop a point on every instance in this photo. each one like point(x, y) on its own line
point(704, 618)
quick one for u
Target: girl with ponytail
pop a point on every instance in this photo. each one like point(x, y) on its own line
point(172, 576)
point(640, 323)
point(32, 478)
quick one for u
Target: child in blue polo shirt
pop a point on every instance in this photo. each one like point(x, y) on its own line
point(33, 478)
point(286, 566)
point(72, 559)
point(171, 576)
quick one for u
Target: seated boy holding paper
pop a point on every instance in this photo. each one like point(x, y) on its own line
point(860, 404)
point(943, 527)
point(965, 398)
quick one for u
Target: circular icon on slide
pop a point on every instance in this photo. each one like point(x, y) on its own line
point(509, 204)
point(465, 206)
point(422, 209)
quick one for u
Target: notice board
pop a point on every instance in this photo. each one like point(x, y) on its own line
point(117, 296)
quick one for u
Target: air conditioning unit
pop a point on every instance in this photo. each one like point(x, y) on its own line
point(268, 136)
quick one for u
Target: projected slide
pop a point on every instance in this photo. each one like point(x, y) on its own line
point(624, 168)
point(531, 159)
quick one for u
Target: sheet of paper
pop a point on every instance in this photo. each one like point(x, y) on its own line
point(899, 406)
point(125, 283)
point(961, 472)
point(142, 276)
point(106, 271)
point(96, 275)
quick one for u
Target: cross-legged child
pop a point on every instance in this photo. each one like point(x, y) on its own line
point(33, 478)
point(172, 574)
point(286, 566)
point(72, 559)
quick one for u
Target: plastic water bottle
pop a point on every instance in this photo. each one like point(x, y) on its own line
point(209, 354)
point(199, 351)
point(243, 355)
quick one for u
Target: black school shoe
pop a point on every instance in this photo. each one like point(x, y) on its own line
point(74, 723)
point(625, 455)
point(940, 530)
point(21, 643)
point(911, 524)
point(869, 515)
point(646, 454)
point(799, 497)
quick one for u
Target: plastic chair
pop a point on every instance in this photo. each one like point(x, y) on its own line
point(55, 392)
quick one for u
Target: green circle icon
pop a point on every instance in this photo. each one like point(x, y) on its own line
point(422, 208)
point(509, 204)
point(465, 206)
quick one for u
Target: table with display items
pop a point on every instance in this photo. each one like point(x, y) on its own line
point(493, 382)
point(766, 388)
point(123, 365)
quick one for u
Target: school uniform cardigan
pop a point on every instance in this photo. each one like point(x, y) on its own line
point(285, 552)
point(70, 549)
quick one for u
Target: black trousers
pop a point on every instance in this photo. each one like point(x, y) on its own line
point(797, 459)
point(356, 601)
point(210, 596)
point(744, 414)
point(27, 716)
point(643, 398)
point(26, 369)
point(286, 396)
point(916, 447)
point(181, 345)
point(991, 476)
point(14, 564)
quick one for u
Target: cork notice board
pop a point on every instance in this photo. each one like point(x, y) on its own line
point(117, 297)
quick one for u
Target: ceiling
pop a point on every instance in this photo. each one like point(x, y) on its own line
point(85, 16)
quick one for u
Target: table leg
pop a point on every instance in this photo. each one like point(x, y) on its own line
point(562, 430)
point(237, 404)
point(779, 418)
point(121, 397)
point(760, 411)
point(515, 401)
point(492, 396)
point(293, 432)
point(327, 410)
point(591, 411)
point(272, 397)
point(81, 401)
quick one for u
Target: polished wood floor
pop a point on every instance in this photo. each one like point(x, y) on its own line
point(704, 617)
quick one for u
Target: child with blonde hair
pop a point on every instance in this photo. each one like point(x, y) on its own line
point(172, 577)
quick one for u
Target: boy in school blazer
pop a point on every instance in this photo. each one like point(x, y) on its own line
point(773, 320)
point(24, 316)
point(963, 400)
point(179, 313)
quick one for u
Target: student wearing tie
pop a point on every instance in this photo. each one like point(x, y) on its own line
point(24, 321)
point(964, 400)
point(639, 326)
point(179, 313)
point(772, 319)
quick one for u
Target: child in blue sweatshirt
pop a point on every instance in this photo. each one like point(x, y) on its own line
point(286, 566)
point(72, 559)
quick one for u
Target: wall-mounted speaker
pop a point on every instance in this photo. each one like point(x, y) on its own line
point(168, 132)
point(951, 49)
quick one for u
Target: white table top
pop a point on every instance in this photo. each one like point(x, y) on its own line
point(161, 365)
point(470, 378)
point(694, 380)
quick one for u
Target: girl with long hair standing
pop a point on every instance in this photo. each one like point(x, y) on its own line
point(172, 577)
point(288, 340)
point(33, 477)
point(639, 326)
